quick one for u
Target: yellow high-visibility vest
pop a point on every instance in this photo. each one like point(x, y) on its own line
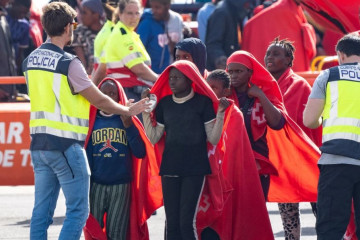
point(341, 117)
point(100, 40)
point(123, 50)
point(55, 109)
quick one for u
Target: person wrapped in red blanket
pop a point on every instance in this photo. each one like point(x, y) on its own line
point(240, 170)
point(222, 197)
point(189, 121)
point(291, 153)
point(145, 185)
point(296, 90)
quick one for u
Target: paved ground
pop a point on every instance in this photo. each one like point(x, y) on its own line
point(16, 206)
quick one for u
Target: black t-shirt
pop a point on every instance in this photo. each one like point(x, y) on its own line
point(185, 152)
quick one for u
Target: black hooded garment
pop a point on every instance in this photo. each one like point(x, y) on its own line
point(197, 49)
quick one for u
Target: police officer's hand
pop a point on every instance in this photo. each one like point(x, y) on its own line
point(224, 104)
point(145, 93)
point(127, 120)
point(139, 106)
point(130, 102)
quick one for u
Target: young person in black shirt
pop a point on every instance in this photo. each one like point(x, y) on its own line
point(189, 120)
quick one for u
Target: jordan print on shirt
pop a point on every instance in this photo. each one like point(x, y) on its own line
point(107, 139)
point(108, 136)
point(107, 145)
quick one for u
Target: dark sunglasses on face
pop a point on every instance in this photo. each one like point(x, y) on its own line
point(74, 24)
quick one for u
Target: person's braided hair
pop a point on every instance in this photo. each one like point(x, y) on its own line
point(287, 46)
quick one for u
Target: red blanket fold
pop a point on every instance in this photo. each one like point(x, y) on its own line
point(93, 230)
point(296, 91)
point(286, 20)
point(244, 215)
point(337, 15)
point(232, 202)
point(146, 192)
point(291, 151)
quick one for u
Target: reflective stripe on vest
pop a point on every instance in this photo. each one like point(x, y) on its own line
point(124, 50)
point(58, 132)
point(121, 77)
point(54, 108)
point(124, 61)
point(335, 129)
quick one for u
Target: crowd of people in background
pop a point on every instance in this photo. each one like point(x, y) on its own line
point(128, 50)
point(223, 26)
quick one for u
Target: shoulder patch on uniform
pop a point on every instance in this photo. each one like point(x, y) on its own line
point(123, 31)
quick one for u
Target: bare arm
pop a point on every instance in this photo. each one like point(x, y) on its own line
point(103, 102)
point(99, 74)
point(143, 71)
point(312, 113)
point(213, 129)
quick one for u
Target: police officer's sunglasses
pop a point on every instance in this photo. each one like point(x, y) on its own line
point(74, 24)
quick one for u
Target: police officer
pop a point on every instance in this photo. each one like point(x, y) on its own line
point(335, 96)
point(125, 58)
point(60, 92)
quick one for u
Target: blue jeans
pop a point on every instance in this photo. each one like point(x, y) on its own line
point(70, 171)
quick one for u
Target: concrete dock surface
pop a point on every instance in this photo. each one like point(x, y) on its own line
point(16, 205)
